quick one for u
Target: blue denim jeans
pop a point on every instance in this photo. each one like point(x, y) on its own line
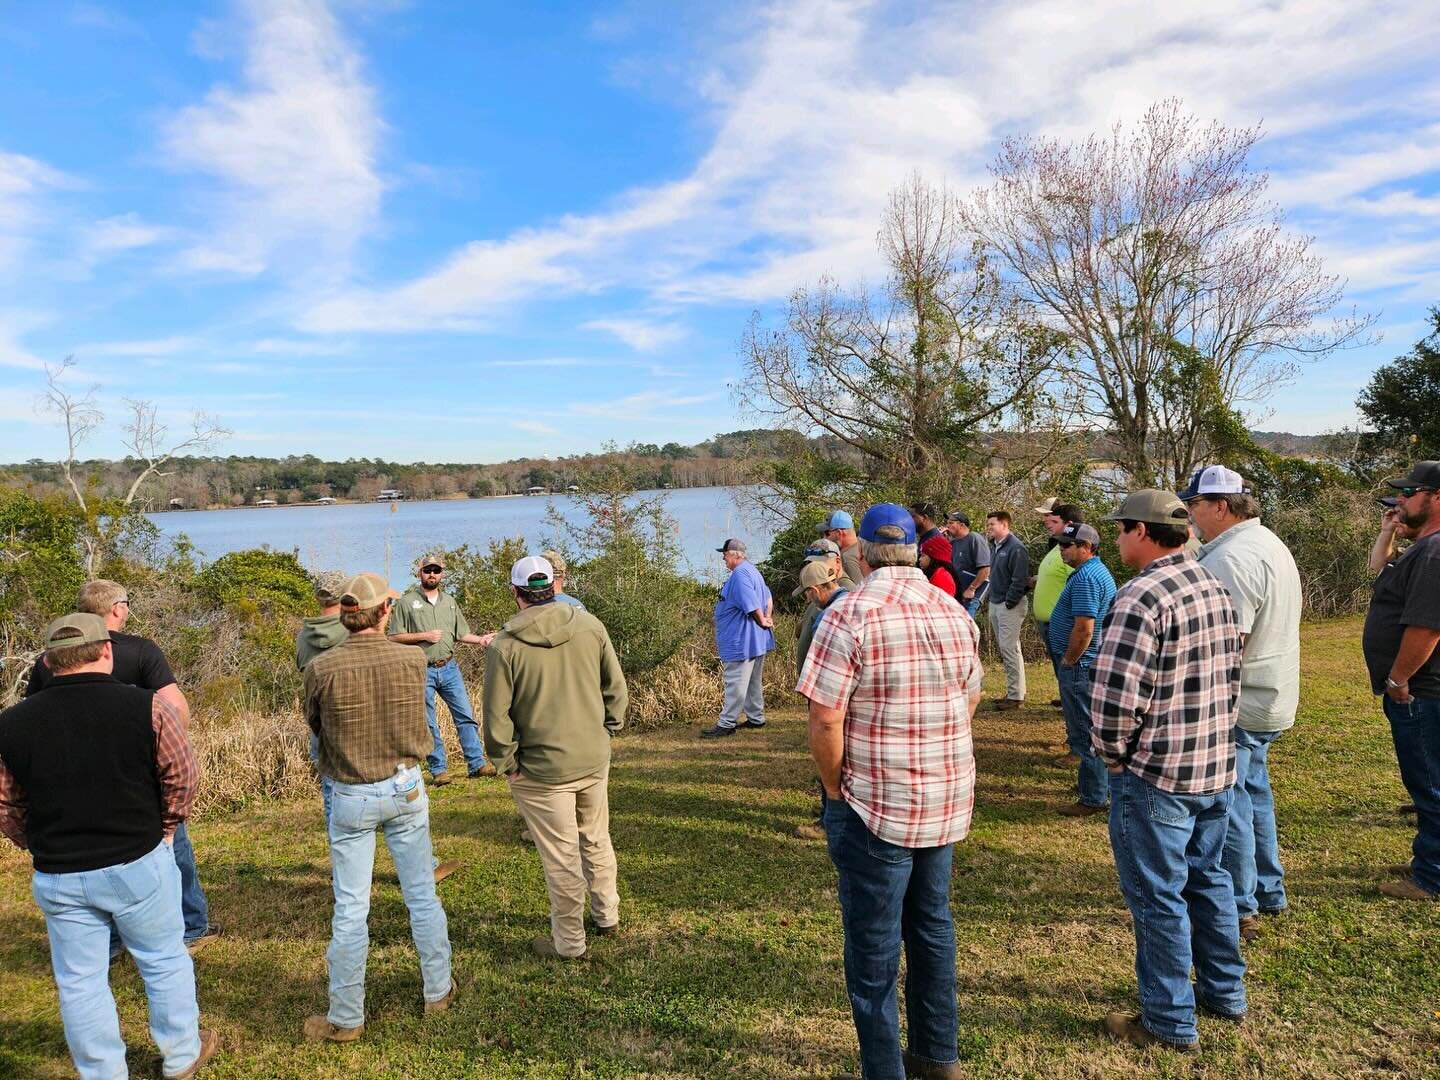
point(326, 784)
point(1075, 684)
point(1252, 849)
point(1168, 855)
point(447, 682)
point(142, 898)
point(194, 908)
point(1415, 727)
point(973, 606)
point(890, 895)
point(357, 810)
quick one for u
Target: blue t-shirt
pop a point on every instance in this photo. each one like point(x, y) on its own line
point(737, 635)
point(1088, 592)
point(566, 598)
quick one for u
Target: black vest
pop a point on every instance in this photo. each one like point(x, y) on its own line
point(83, 750)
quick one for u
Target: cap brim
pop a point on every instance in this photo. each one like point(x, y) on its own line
point(1402, 482)
point(1188, 494)
point(1389, 501)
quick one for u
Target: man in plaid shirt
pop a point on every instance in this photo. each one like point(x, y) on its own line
point(1163, 710)
point(893, 677)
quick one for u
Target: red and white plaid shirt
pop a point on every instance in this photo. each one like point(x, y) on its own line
point(903, 660)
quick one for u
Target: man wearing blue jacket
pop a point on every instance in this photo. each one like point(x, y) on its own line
point(1009, 578)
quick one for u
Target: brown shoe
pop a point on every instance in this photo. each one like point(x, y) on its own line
point(444, 1003)
point(194, 945)
point(440, 779)
point(1006, 704)
point(1249, 927)
point(1406, 889)
point(545, 946)
point(917, 1068)
point(526, 837)
point(1068, 761)
point(209, 1047)
point(320, 1029)
point(607, 931)
point(484, 770)
point(1126, 1027)
point(1399, 869)
point(811, 830)
point(446, 868)
point(1406, 808)
point(1080, 809)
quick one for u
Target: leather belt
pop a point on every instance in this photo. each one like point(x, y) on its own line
point(439, 663)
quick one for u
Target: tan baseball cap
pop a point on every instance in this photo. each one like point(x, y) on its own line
point(366, 591)
point(79, 628)
point(814, 572)
point(1047, 506)
point(1152, 506)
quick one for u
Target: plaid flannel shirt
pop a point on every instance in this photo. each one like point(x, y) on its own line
point(1167, 679)
point(903, 660)
point(365, 698)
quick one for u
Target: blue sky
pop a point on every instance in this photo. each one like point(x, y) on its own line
point(469, 231)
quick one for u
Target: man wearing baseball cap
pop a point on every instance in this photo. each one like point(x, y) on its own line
point(1074, 630)
point(1166, 683)
point(839, 526)
point(824, 555)
point(969, 555)
point(892, 678)
point(554, 695)
point(743, 635)
point(1402, 652)
point(1260, 573)
point(95, 778)
point(429, 617)
point(365, 699)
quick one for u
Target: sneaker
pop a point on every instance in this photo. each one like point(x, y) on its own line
point(750, 724)
point(209, 1047)
point(716, 732)
point(320, 1029)
point(195, 944)
point(484, 770)
point(1006, 704)
point(1080, 809)
point(440, 779)
point(811, 830)
point(1407, 888)
point(444, 1003)
point(1126, 1027)
point(1249, 927)
point(446, 868)
point(545, 946)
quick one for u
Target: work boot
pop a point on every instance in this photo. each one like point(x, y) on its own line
point(446, 868)
point(320, 1029)
point(1126, 1027)
point(1006, 704)
point(545, 947)
point(920, 1069)
point(719, 731)
point(444, 1003)
point(440, 779)
point(210, 934)
point(209, 1047)
point(1407, 888)
point(751, 725)
point(1080, 809)
point(484, 770)
point(1249, 927)
point(811, 830)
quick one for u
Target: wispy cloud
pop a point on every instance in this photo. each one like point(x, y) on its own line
point(642, 406)
point(292, 148)
point(534, 427)
point(23, 183)
point(294, 347)
point(642, 334)
point(167, 346)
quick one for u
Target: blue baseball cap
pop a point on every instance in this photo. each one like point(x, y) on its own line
point(838, 519)
point(886, 523)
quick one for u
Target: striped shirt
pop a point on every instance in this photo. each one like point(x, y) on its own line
point(1167, 679)
point(902, 660)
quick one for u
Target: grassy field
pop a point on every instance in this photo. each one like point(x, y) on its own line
point(729, 964)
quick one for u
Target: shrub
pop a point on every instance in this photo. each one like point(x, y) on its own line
point(268, 580)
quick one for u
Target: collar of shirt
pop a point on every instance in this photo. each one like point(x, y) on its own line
point(1238, 529)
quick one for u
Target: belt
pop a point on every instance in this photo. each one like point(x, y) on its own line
point(439, 663)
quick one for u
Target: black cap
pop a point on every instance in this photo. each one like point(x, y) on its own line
point(1424, 474)
point(732, 544)
point(958, 515)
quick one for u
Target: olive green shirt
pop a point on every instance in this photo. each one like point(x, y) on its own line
point(413, 614)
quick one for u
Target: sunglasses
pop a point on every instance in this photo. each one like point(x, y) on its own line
point(432, 569)
point(1406, 492)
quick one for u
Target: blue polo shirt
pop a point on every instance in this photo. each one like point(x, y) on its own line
point(1088, 592)
point(737, 635)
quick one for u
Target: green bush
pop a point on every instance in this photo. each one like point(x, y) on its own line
point(271, 581)
point(40, 561)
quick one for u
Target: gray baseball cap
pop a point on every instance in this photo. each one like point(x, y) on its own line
point(1079, 533)
point(1153, 507)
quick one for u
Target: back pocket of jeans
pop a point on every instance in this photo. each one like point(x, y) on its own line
point(348, 811)
point(1166, 808)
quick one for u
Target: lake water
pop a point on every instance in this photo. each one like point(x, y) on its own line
point(388, 537)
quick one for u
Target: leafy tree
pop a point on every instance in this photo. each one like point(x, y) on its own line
point(258, 579)
point(1402, 401)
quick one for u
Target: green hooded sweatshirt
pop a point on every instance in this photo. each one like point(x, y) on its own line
point(554, 694)
point(319, 633)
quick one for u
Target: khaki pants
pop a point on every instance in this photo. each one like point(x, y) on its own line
point(1006, 622)
point(570, 823)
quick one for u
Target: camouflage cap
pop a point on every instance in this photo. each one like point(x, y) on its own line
point(79, 628)
point(1153, 507)
point(329, 584)
point(556, 561)
point(433, 558)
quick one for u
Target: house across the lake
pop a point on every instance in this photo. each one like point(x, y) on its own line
point(266, 502)
point(390, 495)
point(325, 500)
point(537, 490)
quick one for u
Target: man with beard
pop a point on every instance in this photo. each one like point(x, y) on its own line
point(1402, 629)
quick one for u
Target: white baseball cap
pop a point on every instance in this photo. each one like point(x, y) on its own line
point(1214, 480)
point(532, 572)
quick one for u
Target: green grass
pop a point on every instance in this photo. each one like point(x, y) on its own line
point(729, 965)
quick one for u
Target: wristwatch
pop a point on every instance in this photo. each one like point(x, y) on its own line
point(1391, 684)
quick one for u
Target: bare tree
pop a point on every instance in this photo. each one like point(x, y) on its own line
point(905, 381)
point(106, 519)
point(1156, 253)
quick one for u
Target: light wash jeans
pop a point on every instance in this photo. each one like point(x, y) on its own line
point(447, 682)
point(744, 691)
point(326, 784)
point(142, 899)
point(194, 908)
point(357, 810)
point(1167, 852)
point(1252, 849)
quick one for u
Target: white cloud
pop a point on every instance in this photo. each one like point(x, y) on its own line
point(292, 347)
point(647, 405)
point(23, 183)
point(293, 148)
point(534, 427)
point(167, 346)
point(641, 334)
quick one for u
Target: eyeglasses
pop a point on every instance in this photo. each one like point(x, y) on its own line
point(1406, 492)
point(432, 569)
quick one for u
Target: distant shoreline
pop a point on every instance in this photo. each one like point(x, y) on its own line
point(461, 497)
